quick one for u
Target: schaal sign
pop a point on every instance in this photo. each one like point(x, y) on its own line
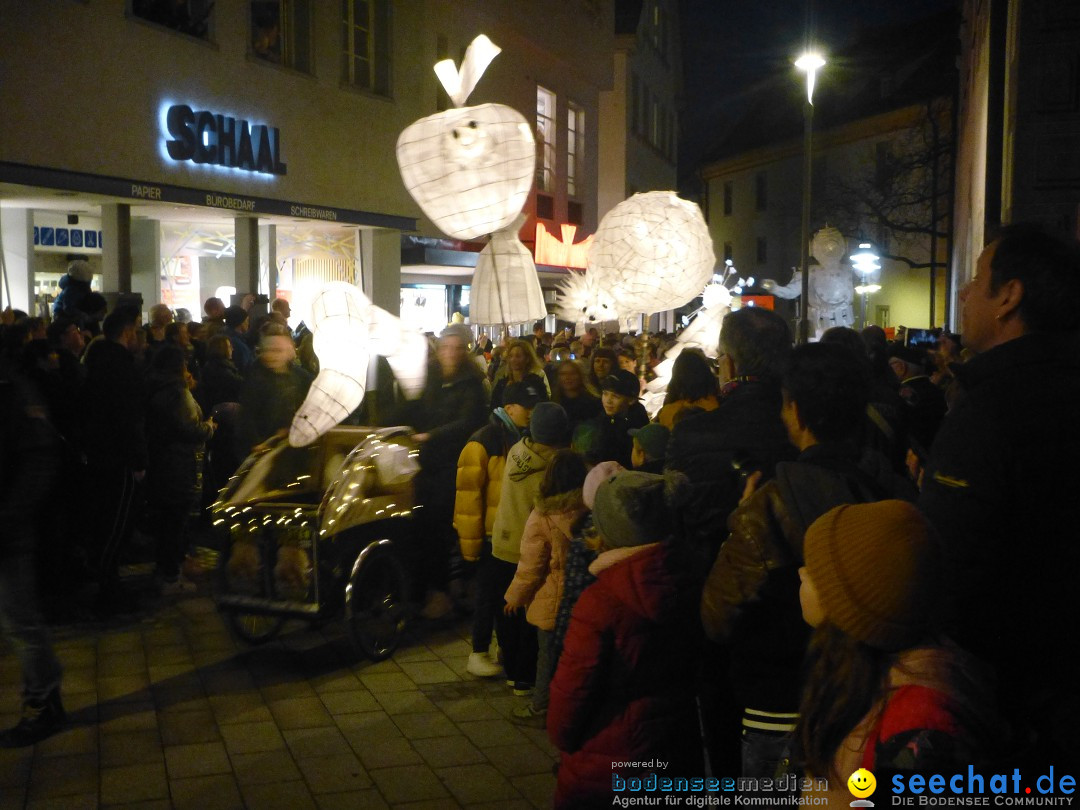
point(211, 138)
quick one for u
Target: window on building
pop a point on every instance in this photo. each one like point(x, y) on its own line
point(545, 206)
point(762, 250)
point(281, 32)
point(729, 252)
point(659, 29)
point(575, 213)
point(192, 18)
point(729, 197)
point(761, 191)
point(366, 51)
point(635, 104)
point(575, 147)
point(545, 139)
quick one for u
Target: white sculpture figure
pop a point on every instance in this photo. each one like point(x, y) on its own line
point(468, 168)
point(347, 329)
point(505, 287)
point(831, 287)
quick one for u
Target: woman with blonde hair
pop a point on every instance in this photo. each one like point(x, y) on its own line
point(520, 364)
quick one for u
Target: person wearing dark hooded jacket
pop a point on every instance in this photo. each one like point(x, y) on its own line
point(74, 287)
point(624, 689)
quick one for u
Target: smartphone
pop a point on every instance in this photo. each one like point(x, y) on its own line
point(920, 337)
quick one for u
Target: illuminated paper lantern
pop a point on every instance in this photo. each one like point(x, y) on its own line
point(583, 300)
point(505, 287)
point(653, 252)
point(469, 169)
point(346, 330)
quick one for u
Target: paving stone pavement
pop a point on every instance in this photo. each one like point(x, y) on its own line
point(169, 710)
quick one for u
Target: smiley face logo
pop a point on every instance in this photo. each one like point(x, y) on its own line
point(862, 783)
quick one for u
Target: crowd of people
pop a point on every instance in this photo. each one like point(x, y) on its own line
point(851, 553)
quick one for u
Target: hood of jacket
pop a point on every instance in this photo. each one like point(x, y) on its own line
point(565, 502)
point(640, 578)
point(528, 458)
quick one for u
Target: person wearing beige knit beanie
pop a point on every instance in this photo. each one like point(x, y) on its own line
point(883, 690)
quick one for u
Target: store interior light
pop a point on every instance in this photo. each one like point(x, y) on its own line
point(866, 289)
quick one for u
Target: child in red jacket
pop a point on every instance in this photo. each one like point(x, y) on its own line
point(624, 688)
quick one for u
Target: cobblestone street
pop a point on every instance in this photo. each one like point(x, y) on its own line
point(172, 711)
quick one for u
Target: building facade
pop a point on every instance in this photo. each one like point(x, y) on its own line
point(881, 169)
point(192, 148)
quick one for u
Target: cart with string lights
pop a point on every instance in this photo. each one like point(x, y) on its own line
point(318, 532)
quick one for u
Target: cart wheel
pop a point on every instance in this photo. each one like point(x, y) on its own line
point(254, 628)
point(375, 601)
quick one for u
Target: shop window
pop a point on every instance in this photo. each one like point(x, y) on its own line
point(545, 139)
point(191, 17)
point(575, 213)
point(366, 55)
point(575, 148)
point(729, 197)
point(281, 32)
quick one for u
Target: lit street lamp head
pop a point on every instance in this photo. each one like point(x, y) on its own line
point(811, 63)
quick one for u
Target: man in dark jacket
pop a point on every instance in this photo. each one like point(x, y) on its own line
point(454, 404)
point(1003, 507)
point(751, 598)
point(115, 441)
point(273, 392)
point(27, 464)
point(746, 428)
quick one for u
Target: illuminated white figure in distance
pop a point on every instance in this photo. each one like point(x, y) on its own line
point(831, 287)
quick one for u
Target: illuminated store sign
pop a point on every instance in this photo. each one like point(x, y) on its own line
point(211, 138)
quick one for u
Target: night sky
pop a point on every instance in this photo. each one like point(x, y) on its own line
point(730, 48)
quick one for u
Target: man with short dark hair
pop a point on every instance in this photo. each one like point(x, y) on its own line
point(1001, 484)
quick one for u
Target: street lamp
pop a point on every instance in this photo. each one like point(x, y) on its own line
point(810, 63)
point(867, 266)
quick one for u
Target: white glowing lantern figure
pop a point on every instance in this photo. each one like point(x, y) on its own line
point(469, 169)
point(652, 252)
point(346, 330)
point(505, 287)
point(584, 300)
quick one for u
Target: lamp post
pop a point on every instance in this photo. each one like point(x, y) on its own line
point(867, 266)
point(810, 63)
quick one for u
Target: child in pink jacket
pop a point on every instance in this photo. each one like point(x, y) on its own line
point(538, 583)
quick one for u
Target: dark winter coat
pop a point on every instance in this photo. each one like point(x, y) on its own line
point(608, 436)
point(624, 687)
point(70, 300)
point(115, 408)
point(220, 381)
point(176, 437)
point(450, 410)
point(747, 424)
point(1001, 489)
point(268, 402)
point(751, 597)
